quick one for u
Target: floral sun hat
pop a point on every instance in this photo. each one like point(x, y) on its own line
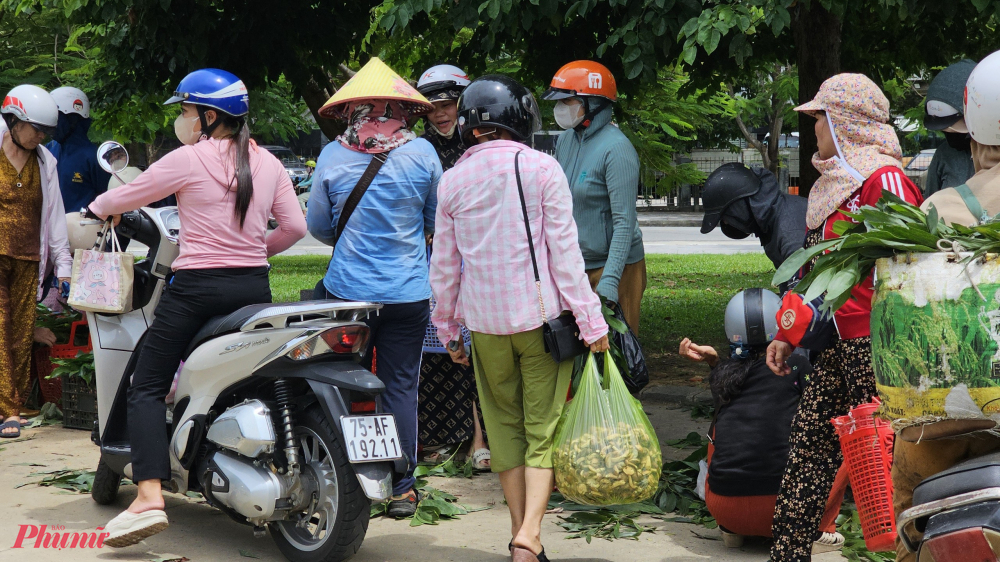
point(858, 114)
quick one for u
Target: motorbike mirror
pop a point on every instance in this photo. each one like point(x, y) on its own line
point(112, 156)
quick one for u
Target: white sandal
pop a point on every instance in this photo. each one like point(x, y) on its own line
point(132, 528)
point(480, 456)
point(828, 542)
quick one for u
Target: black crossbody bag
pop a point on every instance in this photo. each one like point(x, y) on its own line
point(561, 335)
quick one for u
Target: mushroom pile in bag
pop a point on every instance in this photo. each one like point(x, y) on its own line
point(605, 451)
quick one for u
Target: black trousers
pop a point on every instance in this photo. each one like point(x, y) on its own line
point(194, 296)
point(397, 336)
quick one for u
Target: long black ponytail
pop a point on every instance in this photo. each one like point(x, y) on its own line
point(240, 150)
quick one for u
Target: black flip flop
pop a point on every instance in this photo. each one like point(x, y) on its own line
point(12, 424)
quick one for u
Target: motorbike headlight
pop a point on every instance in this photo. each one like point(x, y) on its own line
point(344, 340)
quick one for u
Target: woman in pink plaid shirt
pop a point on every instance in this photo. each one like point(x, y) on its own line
point(482, 277)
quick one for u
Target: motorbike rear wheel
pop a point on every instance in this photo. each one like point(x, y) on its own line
point(337, 526)
point(106, 483)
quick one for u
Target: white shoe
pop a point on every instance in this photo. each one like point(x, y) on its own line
point(131, 528)
point(731, 540)
point(827, 542)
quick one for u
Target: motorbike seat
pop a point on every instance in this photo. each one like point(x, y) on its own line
point(225, 324)
point(969, 476)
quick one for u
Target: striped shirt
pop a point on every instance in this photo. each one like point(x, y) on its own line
point(481, 272)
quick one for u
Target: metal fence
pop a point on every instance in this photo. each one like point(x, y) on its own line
point(687, 197)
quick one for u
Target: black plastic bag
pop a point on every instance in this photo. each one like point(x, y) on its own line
point(627, 353)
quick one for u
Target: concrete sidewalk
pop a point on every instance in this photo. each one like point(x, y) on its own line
point(200, 533)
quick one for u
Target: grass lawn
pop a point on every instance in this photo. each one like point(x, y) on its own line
point(686, 296)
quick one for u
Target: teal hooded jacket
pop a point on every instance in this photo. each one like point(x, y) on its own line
point(602, 167)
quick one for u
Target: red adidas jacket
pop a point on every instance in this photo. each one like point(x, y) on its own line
point(853, 320)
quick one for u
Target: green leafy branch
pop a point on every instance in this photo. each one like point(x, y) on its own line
point(81, 366)
point(434, 506)
point(891, 227)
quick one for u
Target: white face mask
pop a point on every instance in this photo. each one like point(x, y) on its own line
point(184, 129)
point(446, 134)
point(568, 116)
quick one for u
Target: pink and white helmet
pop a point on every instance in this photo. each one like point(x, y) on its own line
point(72, 100)
point(31, 104)
point(443, 81)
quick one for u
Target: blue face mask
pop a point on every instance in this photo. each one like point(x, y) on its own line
point(68, 122)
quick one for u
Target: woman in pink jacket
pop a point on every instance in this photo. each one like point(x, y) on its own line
point(32, 236)
point(226, 189)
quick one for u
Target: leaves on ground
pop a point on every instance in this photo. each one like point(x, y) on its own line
point(50, 414)
point(247, 554)
point(603, 523)
point(435, 505)
point(79, 481)
point(849, 525)
point(450, 468)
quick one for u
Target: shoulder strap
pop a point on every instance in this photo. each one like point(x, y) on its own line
point(358, 192)
point(971, 202)
point(527, 230)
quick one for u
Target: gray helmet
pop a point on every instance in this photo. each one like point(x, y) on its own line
point(751, 318)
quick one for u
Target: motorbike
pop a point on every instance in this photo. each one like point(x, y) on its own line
point(956, 514)
point(274, 421)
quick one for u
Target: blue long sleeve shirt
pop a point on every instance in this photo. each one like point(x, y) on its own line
point(381, 255)
point(81, 178)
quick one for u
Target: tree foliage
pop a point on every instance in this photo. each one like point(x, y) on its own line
point(720, 41)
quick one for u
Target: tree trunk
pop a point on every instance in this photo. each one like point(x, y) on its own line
point(817, 43)
point(315, 96)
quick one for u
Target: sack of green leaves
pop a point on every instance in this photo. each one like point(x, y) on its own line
point(605, 452)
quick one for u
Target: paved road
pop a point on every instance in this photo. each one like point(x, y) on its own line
point(199, 533)
point(657, 240)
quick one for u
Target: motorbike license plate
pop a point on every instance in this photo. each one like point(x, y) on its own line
point(371, 438)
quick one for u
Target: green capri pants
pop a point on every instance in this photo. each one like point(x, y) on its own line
point(522, 391)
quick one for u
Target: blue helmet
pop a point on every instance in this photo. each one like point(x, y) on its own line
point(213, 88)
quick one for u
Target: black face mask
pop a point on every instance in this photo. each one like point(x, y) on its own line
point(959, 141)
point(738, 221)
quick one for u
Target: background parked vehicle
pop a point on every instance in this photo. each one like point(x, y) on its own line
point(295, 167)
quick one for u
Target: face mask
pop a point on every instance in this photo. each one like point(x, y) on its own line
point(184, 129)
point(959, 141)
point(568, 116)
point(446, 134)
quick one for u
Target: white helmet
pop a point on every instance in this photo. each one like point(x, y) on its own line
point(82, 236)
point(982, 101)
point(72, 100)
point(438, 81)
point(33, 105)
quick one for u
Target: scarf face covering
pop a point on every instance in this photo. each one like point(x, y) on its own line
point(375, 126)
point(857, 114)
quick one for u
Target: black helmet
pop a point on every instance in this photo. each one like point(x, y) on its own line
point(497, 101)
point(728, 184)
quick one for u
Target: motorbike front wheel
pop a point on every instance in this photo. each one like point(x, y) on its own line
point(337, 525)
point(106, 482)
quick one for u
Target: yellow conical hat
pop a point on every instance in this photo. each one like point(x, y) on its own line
point(376, 81)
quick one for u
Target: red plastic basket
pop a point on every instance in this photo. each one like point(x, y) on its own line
point(42, 364)
point(867, 445)
point(70, 350)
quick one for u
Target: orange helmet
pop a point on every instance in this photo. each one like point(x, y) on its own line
point(582, 78)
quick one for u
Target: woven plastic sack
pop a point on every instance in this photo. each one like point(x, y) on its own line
point(605, 452)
